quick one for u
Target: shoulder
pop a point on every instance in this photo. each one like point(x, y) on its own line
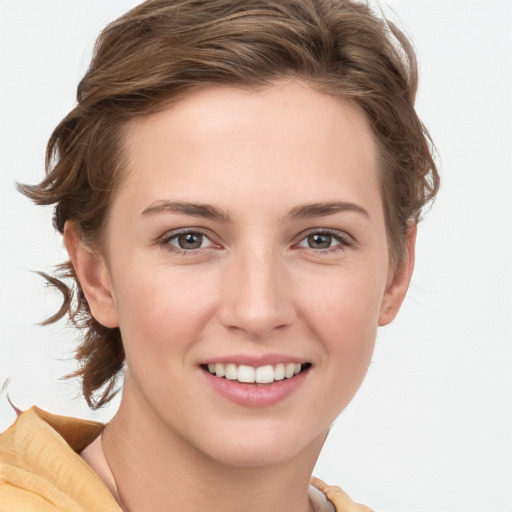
point(339, 498)
point(41, 471)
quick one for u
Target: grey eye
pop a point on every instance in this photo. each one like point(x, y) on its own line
point(323, 240)
point(190, 240)
point(319, 241)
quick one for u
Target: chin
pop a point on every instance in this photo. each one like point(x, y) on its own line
point(257, 448)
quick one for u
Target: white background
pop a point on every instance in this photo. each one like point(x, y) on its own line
point(431, 428)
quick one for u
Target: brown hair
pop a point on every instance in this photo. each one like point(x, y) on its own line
point(164, 48)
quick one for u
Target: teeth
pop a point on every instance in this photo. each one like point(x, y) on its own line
point(265, 374)
point(279, 371)
point(231, 372)
point(245, 373)
point(218, 370)
point(289, 370)
point(260, 375)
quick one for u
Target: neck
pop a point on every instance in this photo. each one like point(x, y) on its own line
point(154, 469)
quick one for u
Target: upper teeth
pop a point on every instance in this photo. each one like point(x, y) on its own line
point(261, 374)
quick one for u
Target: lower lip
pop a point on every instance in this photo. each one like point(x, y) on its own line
point(255, 395)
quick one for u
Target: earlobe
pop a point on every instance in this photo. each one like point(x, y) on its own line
point(397, 288)
point(94, 276)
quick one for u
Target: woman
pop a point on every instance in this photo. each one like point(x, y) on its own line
point(238, 189)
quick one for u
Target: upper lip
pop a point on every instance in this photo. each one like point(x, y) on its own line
point(254, 360)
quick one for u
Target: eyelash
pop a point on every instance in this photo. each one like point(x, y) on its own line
point(344, 242)
point(165, 242)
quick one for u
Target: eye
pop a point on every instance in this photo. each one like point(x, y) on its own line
point(325, 241)
point(319, 241)
point(187, 241)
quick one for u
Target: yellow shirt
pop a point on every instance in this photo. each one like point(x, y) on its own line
point(41, 469)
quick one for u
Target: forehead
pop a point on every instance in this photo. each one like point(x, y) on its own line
point(234, 141)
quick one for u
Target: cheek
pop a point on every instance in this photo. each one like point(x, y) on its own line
point(161, 309)
point(343, 302)
point(343, 315)
point(347, 332)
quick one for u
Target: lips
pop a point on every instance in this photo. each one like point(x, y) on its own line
point(247, 387)
point(247, 374)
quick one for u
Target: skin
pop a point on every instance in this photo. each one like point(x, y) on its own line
point(256, 286)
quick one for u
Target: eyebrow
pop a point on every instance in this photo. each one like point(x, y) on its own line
point(205, 211)
point(324, 209)
point(208, 211)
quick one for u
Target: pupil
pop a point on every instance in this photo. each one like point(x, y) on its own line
point(190, 241)
point(319, 241)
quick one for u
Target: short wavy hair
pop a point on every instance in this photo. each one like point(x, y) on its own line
point(163, 49)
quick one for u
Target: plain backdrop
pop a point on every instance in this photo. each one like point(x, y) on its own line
point(431, 428)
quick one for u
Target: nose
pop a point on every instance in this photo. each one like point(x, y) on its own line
point(256, 297)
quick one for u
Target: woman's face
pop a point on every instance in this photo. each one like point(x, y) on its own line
point(249, 234)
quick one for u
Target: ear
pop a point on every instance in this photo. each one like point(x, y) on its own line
point(93, 275)
point(399, 283)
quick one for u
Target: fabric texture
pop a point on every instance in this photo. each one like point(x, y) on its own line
point(41, 469)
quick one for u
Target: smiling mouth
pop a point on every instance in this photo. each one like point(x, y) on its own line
point(255, 375)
